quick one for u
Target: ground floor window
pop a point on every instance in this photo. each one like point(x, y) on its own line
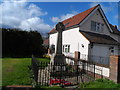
point(52, 47)
point(66, 48)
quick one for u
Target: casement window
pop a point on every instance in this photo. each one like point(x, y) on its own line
point(96, 26)
point(52, 48)
point(66, 48)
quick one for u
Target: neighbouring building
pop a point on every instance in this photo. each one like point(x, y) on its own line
point(90, 33)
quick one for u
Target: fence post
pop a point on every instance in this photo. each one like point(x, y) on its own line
point(61, 72)
point(77, 56)
point(115, 68)
point(77, 74)
point(101, 74)
point(49, 51)
point(35, 68)
point(94, 70)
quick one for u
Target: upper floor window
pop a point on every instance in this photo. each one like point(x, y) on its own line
point(66, 48)
point(96, 26)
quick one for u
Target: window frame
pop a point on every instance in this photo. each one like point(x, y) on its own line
point(95, 25)
point(66, 48)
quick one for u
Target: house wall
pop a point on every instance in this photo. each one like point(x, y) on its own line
point(99, 70)
point(74, 38)
point(100, 50)
point(103, 50)
point(53, 40)
point(95, 17)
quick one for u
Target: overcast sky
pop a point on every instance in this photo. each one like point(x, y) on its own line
point(42, 16)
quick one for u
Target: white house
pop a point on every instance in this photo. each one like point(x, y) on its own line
point(90, 33)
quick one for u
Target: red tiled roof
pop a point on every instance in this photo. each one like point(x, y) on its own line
point(76, 19)
point(46, 42)
point(52, 31)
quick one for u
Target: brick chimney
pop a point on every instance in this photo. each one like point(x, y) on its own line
point(115, 26)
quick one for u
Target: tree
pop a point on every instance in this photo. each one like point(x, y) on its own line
point(18, 43)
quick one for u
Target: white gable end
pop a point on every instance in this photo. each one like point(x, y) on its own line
point(73, 38)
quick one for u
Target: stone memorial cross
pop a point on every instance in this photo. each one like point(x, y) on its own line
point(59, 57)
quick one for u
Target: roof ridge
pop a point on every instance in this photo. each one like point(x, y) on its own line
point(76, 19)
point(83, 12)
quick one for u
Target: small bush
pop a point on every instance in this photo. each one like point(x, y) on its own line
point(46, 56)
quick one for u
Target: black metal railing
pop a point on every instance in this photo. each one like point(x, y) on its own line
point(75, 73)
point(88, 66)
point(35, 68)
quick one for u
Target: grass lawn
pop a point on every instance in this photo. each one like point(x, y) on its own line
point(15, 71)
point(100, 83)
point(0, 72)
